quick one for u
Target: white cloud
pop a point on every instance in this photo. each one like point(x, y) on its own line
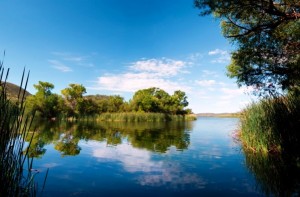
point(60, 66)
point(209, 73)
point(222, 56)
point(145, 74)
point(217, 52)
point(205, 83)
point(160, 67)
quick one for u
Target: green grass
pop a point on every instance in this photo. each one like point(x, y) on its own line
point(16, 178)
point(142, 117)
point(272, 125)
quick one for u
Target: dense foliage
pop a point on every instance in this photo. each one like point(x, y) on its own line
point(73, 103)
point(266, 35)
point(157, 100)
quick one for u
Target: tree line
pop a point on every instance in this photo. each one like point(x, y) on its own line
point(73, 103)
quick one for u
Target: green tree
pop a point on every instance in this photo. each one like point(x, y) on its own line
point(158, 100)
point(178, 102)
point(89, 107)
point(44, 101)
point(149, 100)
point(266, 35)
point(115, 103)
point(74, 101)
point(101, 102)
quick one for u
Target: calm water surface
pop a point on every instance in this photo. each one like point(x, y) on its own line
point(198, 158)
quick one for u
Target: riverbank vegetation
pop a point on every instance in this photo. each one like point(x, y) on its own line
point(266, 36)
point(16, 177)
point(272, 125)
point(152, 104)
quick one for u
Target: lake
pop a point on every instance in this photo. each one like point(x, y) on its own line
point(199, 158)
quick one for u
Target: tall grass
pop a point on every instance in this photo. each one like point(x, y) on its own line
point(16, 178)
point(142, 117)
point(272, 125)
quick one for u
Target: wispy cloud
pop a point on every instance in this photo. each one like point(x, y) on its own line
point(221, 56)
point(205, 83)
point(209, 73)
point(217, 52)
point(194, 57)
point(80, 60)
point(69, 56)
point(144, 74)
point(60, 66)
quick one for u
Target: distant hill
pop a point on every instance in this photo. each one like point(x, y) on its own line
point(224, 115)
point(12, 91)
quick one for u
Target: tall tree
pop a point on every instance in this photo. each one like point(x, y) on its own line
point(158, 100)
point(74, 100)
point(115, 103)
point(178, 102)
point(149, 100)
point(44, 101)
point(266, 35)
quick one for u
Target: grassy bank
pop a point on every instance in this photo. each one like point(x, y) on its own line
point(140, 117)
point(272, 125)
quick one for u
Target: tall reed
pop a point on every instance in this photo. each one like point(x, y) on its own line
point(16, 178)
point(272, 125)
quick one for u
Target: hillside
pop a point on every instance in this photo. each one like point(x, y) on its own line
point(12, 91)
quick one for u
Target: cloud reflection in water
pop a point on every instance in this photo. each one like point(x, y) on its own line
point(154, 173)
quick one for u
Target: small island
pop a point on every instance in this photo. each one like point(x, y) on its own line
point(151, 104)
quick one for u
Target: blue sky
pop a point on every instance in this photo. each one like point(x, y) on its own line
point(120, 46)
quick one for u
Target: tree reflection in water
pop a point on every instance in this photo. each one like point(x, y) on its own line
point(155, 136)
point(276, 175)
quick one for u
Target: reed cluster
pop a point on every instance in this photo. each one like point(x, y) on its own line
point(16, 177)
point(272, 125)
